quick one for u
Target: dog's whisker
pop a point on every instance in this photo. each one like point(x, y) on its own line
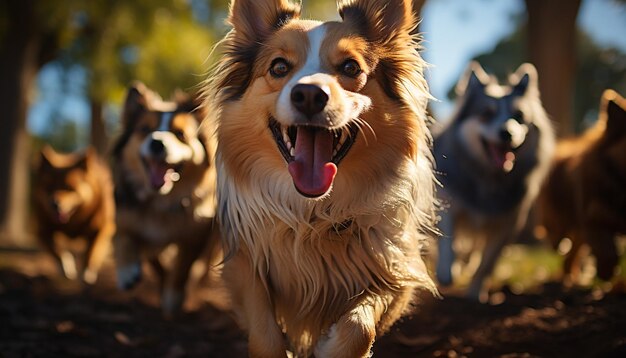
point(360, 124)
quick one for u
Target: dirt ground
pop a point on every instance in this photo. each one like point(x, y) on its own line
point(42, 315)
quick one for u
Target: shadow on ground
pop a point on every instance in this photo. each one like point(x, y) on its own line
point(42, 315)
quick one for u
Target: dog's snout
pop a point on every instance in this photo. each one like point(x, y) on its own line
point(157, 147)
point(309, 99)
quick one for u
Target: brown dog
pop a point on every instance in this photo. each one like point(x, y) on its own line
point(324, 174)
point(74, 196)
point(165, 191)
point(584, 198)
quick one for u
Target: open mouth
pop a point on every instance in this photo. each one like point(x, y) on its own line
point(63, 217)
point(162, 175)
point(312, 154)
point(501, 155)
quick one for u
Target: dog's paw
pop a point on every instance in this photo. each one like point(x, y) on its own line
point(68, 265)
point(171, 302)
point(90, 276)
point(128, 276)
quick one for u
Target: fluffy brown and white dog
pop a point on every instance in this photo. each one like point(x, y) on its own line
point(584, 198)
point(73, 196)
point(164, 191)
point(325, 179)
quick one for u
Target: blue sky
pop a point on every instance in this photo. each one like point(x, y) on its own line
point(454, 32)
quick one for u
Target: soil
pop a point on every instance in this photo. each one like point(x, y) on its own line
point(43, 315)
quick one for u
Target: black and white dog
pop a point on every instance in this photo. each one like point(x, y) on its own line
point(492, 157)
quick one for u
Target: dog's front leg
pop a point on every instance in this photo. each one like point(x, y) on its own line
point(351, 336)
point(445, 248)
point(502, 232)
point(173, 295)
point(603, 247)
point(63, 258)
point(254, 309)
point(127, 261)
point(97, 251)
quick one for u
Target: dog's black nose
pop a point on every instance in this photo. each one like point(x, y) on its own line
point(309, 99)
point(156, 146)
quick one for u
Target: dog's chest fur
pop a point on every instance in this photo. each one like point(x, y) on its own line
point(326, 266)
point(161, 223)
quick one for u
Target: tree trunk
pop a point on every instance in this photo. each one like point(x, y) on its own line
point(98, 133)
point(19, 55)
point(552, 49)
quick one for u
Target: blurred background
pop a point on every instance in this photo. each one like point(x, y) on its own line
point(65, 64)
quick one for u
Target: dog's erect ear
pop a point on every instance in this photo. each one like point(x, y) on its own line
point(613, 107)
point(381, 20)
point(45, 160)
point(475, 78)
point(82, 160)
point(524, 78)
point(190, 102)
point(137, 99)
point(616, 105)
point(255, 20)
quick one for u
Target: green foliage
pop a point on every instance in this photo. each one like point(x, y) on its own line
point(64, 137)
point(320, 9)
point(507, 55)
point(173, 55)
point(119, 41)
point(598, 69)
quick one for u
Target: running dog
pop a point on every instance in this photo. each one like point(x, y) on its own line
point(584, 198)
point(492, 157)
point(164, 191)
point(73, 196)
point(325, 181)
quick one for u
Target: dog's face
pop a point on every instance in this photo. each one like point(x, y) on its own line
point(495, 119)
point(312, 103)
point(62, 188)
point(162, 141)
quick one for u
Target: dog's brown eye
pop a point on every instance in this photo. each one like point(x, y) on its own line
point(280, 68)
point(351, 68)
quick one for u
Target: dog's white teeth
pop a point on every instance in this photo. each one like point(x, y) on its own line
point(292, 152)
point(342, 140)
point(286, 138)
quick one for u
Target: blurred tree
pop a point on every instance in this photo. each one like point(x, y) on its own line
point(113, 40)
point(598, 69)
point(552, 49)
point(31, 32)
point(157, 41)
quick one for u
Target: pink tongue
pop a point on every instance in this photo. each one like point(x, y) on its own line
point(501, 158)
point(157, 175)
point(312, 170)
point(63, 218)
